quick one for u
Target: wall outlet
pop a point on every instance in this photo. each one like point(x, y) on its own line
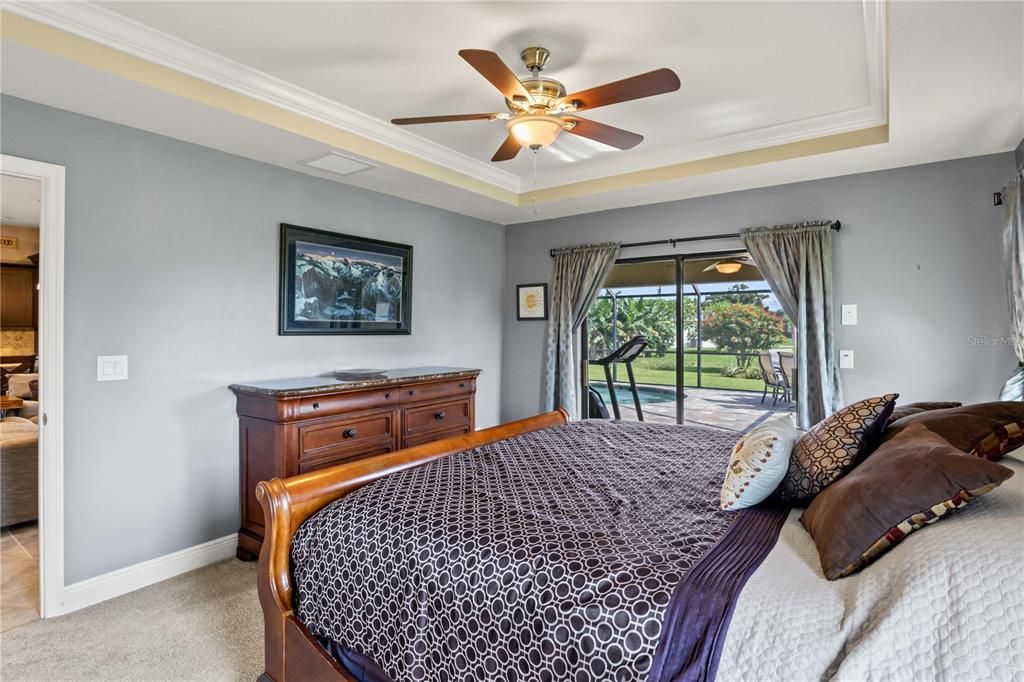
point(849, 314)
point(111, 368)
point(846, 359)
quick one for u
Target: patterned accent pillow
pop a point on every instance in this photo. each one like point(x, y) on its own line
point(916, 479)
point(758, 462)
point(833, 446)
point(988, 430)
point(1004, 439)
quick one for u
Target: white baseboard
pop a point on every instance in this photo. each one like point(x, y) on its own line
point(131, 578)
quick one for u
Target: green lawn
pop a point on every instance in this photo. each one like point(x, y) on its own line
point(661, 371)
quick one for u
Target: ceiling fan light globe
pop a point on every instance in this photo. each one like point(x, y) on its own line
point(535, 131)
point(728, 267)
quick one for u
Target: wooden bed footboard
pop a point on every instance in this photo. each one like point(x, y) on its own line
point(291, 652)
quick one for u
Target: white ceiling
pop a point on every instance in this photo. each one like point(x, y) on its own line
point(19, 201)
point(752, 73)
point(744, 66)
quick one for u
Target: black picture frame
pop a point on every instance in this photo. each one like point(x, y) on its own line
point(325, 256)
point(544, 301)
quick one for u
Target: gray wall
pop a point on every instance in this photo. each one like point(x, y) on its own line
point(919, 253)
point(171, 258)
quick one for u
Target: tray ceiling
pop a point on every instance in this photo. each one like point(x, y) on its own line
point(771, 92)
point(748, 69)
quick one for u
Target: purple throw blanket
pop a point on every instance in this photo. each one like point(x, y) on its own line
point(590, 551)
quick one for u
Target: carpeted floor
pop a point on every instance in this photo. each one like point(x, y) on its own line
point(203, 625)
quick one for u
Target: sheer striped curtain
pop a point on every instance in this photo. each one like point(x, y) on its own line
point(796, 261)
point(1013, 248)
point(580, 272)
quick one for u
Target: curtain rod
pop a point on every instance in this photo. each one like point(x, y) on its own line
point(836, 225)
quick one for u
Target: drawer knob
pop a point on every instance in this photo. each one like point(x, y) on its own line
point(440, 415)
point(412, 392)
point(462, 385)
point(387, 396)
point(316, 406)
point(350, 433)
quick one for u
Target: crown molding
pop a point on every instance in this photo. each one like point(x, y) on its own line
point(116, 31)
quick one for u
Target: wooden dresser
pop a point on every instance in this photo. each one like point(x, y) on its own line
point(291, 426)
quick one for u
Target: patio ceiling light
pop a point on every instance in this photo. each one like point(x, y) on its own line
point(728, 266)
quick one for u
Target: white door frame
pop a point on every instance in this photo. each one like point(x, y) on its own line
point(51, 379)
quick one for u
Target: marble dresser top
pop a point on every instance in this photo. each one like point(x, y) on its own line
point(349, 380)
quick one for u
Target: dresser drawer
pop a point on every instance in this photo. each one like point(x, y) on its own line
point(411, 441)
point(326, 437)
point(308, 465)
point(324, 406)
point(437, 391)
point(446, 415)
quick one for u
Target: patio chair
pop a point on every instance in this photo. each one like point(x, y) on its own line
point(787, 365)
point(772, 377)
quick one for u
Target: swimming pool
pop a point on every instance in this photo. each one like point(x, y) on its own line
point(648, 395)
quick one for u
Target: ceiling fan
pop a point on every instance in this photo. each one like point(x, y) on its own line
point(729, 266)
point(540, 109)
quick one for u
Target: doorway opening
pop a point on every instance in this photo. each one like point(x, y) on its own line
point(20, 205)
point(719, 348)
point(31, 421)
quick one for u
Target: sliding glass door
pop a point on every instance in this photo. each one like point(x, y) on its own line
point(639, 299)
point(718, 347)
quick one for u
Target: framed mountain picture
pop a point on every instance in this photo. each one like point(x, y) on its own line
point(341, 284)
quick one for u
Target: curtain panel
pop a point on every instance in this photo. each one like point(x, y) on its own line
point(580, 272)
point(796, 261)
point(1013, 250)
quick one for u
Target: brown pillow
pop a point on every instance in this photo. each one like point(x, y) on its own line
point(833, 446)
point(902, 411)
point(914, 478)
point(988, 430)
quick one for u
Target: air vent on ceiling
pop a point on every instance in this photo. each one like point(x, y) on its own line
point(333, 162)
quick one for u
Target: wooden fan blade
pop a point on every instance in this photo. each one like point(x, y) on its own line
point(443, 119)
point(508, 150)
point(494, 70)
point(656, 82)
point(609, 135)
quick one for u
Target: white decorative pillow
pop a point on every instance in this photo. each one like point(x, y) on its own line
point(1017, 454)
point(758, 464)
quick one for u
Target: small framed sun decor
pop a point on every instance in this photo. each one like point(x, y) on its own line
point(340, 284)
point(532, 301)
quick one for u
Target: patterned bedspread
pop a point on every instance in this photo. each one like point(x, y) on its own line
point(549, 556)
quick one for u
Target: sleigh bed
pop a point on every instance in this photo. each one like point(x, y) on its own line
point(548, 550)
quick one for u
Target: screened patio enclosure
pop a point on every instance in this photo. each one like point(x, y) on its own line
point(705, 329)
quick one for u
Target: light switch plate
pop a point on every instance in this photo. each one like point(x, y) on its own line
point(111, 367)
point(849, 314)
point(846, 359)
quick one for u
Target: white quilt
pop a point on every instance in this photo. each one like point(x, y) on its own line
point(947, 603)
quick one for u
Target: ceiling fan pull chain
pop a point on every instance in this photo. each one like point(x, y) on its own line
point(533, 195)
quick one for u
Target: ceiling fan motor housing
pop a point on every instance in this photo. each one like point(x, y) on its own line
point(545, 92)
